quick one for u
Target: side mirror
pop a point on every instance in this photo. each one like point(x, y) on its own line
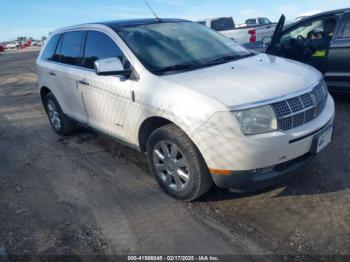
point(111, 66)
point(267, 40)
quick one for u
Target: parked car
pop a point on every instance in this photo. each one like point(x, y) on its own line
point(248, 35)
point(322, 40)
point(28, 43)
point(12, 45)
point(204, 108)
point(256, 22)
point(2, 48)
point(36, 43)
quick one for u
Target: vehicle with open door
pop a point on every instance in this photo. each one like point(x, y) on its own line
point(322, 40)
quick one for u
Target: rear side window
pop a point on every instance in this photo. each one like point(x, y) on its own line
point(223, 24)
point(50, 48)
point(99, 46)
point(56, 56)
point(346, 29)
point(70, 49)
point(264, 21)
point(250, 21)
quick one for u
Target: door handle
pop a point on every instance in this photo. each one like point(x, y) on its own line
point(83, 82)
point(52, 74)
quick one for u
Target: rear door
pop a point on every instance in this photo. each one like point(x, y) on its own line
point(338, 67)
point(67, 74)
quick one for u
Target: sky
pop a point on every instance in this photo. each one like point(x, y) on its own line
point(37, 18)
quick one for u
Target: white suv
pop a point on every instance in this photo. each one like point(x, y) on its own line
point(204, 108)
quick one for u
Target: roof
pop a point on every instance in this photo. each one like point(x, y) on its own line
point(137, 22)
point(318, 15)
point(332, 12)
point(117, 24)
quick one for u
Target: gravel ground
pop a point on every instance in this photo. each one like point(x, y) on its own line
point(86, 194)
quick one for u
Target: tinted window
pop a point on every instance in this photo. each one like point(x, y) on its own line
point(99, 46)
point(346, 31)
point(201, 23)
point(310, 29)
point(50, 48)
point(251, 22)
point(56, 56)
point(264, 21)
point(222, 24)
point(70, 50)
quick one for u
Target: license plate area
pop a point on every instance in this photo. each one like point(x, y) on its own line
point(322, 140)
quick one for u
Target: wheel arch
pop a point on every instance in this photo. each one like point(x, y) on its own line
point(147, 127)
point(44, 91)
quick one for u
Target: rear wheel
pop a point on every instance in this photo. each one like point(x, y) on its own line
point(177, 165)
point(59, 122)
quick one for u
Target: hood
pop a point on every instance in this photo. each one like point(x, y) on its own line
point(257, 78)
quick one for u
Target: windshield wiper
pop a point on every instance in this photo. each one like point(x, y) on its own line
point(220, 60)
point(227, 58)
point(179, 67)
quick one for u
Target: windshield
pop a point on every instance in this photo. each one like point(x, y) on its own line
point(174, 46)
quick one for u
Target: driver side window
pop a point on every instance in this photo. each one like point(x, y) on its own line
point(311, 29)
point(99, 46)
point(304, 30)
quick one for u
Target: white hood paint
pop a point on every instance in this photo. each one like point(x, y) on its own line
point(249, 80)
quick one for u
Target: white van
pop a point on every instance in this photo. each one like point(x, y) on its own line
point(203, 108)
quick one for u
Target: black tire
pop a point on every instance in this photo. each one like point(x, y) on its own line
point(67, 126)
point(199, 182)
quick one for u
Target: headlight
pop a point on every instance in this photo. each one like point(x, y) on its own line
point(257, 120)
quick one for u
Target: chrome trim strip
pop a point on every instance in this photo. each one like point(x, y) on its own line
point(66, 65)
point(297, 113)
point(318, 96)
point(275, 99)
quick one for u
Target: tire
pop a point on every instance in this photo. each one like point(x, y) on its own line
point(58, 120)
point(177, 164)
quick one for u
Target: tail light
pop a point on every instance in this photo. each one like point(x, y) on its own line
point(252, 35)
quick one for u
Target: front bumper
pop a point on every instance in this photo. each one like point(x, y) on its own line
point(261, 160)
point(247, 181)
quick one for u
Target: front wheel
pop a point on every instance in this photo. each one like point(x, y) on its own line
point(177, 164)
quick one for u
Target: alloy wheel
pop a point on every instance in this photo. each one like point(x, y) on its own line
point(54, 115)
point(171, 165)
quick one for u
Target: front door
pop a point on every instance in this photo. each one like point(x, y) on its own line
point(338, 67)
point(107, 99)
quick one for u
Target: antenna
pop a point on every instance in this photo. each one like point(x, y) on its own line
point(154, 13)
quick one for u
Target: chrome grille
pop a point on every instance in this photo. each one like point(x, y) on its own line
point(302, 109)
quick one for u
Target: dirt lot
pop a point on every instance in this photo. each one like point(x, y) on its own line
point(86, 194)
